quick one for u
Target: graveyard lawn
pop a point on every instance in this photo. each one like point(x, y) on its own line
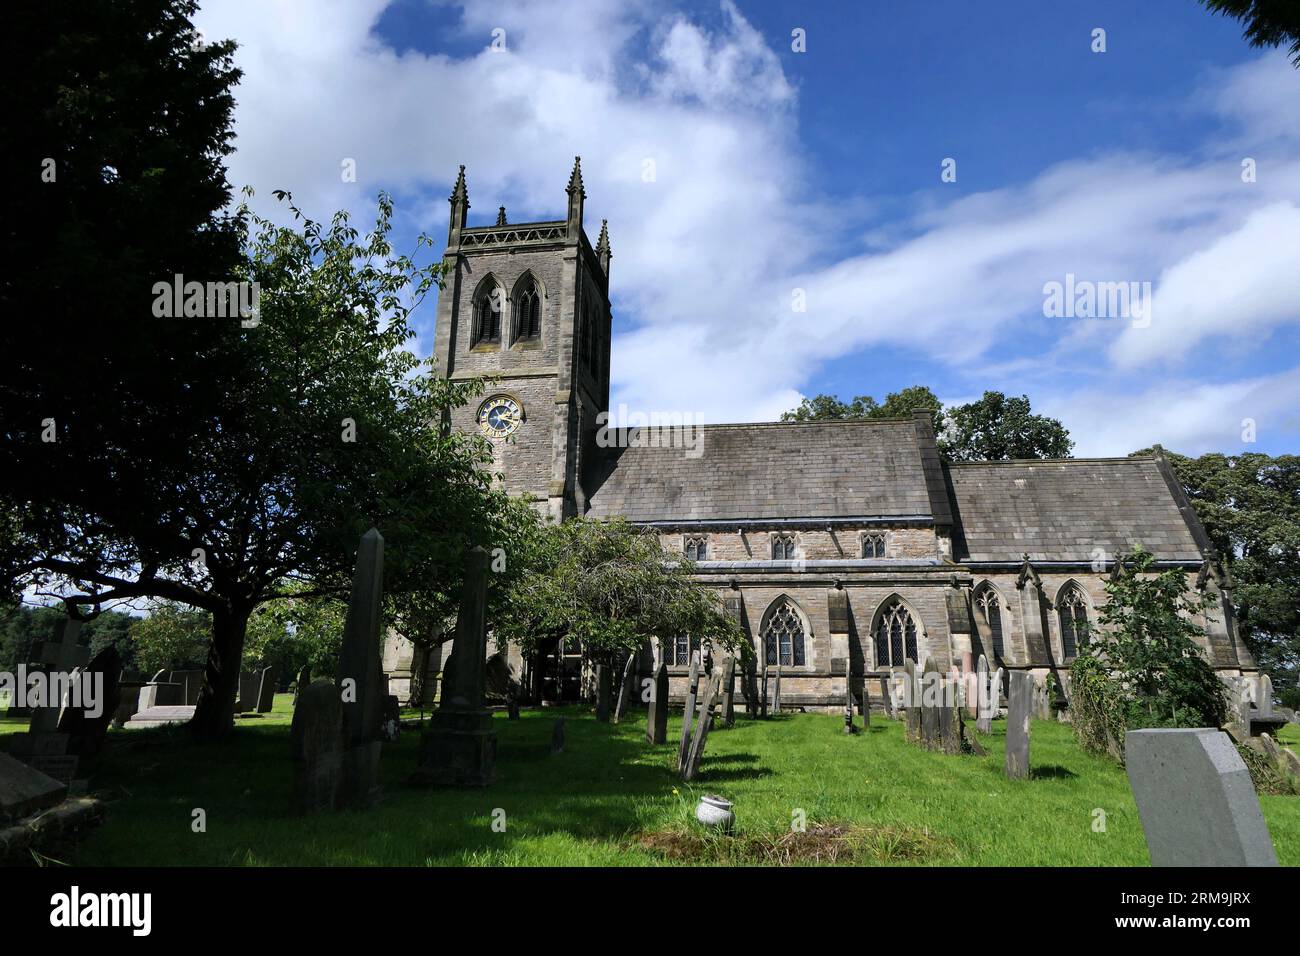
point(612, 799)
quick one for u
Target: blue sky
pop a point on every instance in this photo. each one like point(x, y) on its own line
point(819, 171)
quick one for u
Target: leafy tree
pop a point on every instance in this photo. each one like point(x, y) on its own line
point(1250, 507)
point(1268, 22)
point(116, 121)
point(171, 637)
point(295, 632)
point(997, 428)
point(896, 405)
point(1145, 654)
point(327, 427)
point(611, 586)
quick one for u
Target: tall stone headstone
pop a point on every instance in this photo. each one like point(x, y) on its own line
point(459, 748)
point(1020, 702)
point(729, 691)
point(361, 675)
point(656, 727)
point(266, 691)
point(87, 732)
point(1264, 698)
point(866, 705)
point(604, 686)
point(887, 696)
point(688, 714)
point(626, 688)
point(691, 768)
point(776, 691)
point(557, 736)
point(63, 658)
point(304, 681)
point(912, 701)
point(931, 691)
point(316, 738)
point(1222, 825)
point(250, 688)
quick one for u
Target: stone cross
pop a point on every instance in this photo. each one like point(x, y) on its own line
point(1020, 700)
point(656, 727)
point(689, 713)
point(1222, 825)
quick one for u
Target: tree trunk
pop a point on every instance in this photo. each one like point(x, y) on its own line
point(214, 716)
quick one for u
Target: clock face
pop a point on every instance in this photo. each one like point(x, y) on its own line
point(500, 416)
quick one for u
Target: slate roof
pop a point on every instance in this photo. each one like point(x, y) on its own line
point(1062, 510)
point(769, 470)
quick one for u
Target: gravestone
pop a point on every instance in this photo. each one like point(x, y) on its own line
point(391, 724)
point(62, 658)
point(317, 741)
point(361, 682)
point(692, 767)
point(749, 686)
point(250, 688)
point(1020, 701)
point(848, 712)
point(557, 736)
point(912, 701)
point(866, 706)
point(1042, 706)
point(776, 691)
point(625, 689)
point(992, 689)
point(1222, 825)
point(266, 691)
point(304, 681)
point(603, 681)
point(656, 727)
point(951, 728)
point(459, 749)
point(931, 687)
point(887, 695)
point(25, 790)
point(688, 714)
point(728, 691)
point(1263, 719)
point(87, 733)
point(512, 707)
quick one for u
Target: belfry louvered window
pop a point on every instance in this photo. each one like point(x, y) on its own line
point(895, 636)
point(487, 314)
point(783, 635)
point(1073, 611)
point(528, 312)
point(989, 607)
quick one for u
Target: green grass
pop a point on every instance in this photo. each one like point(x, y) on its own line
point(1289, 735)
point(586, 805)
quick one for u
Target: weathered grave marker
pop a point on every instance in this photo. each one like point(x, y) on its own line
point(625, 688)
point(702, 726)
point(688, 713)
point(361, 676)
point(1222, 825)
point(316, 738)
point(656, 727)
point(1020, 701)
point(557, 736)
point(459, 748)
point(604, 680)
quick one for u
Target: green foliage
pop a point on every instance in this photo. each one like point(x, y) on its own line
point(294, 632)
point(1143, 667)
point(1250, 507)
point(171, 637)
point(612, 586)
point(896, 405)
point(994, 428)
point(1268, 23)
point(1266, 775)
point(997, 428)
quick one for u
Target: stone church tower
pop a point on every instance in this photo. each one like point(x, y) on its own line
point(528, 303)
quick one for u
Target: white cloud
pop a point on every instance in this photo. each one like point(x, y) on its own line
point(706, 256)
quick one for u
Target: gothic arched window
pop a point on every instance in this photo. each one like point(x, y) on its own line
point(488, 306)
point(989, 606)
point(782, 547)
point(783, 635)
point(1072, 609)
point(697, 547)
point(895, 635)
point(873, 545)
point(528, 310)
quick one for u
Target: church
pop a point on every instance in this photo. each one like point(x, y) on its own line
point(844, 548)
